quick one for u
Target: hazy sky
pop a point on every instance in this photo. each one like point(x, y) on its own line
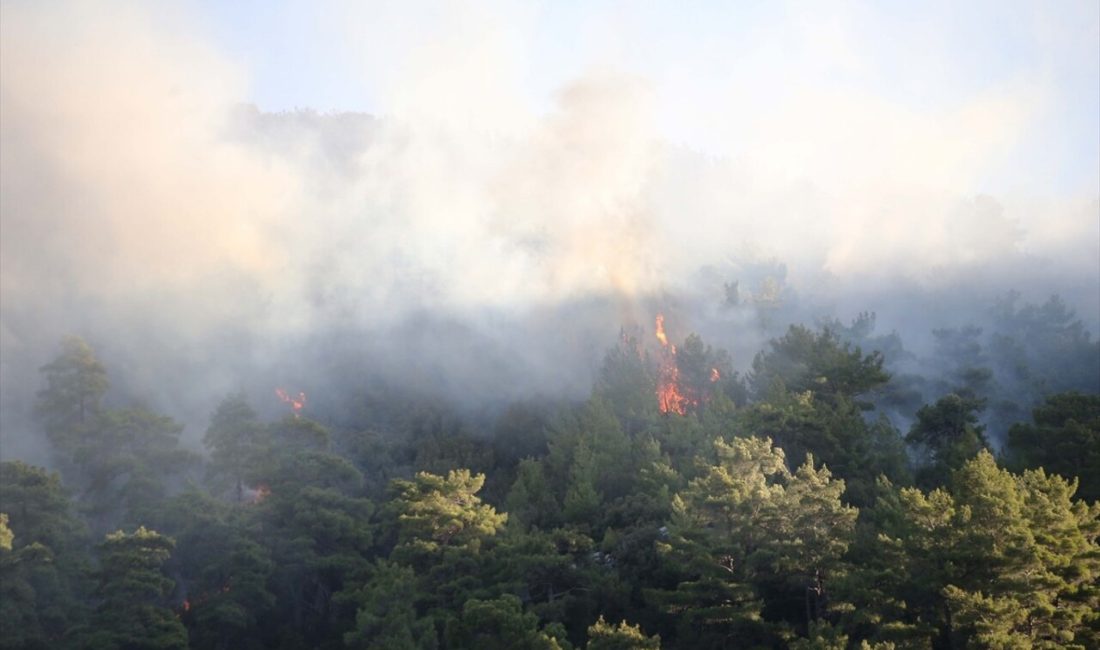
point(720, 73)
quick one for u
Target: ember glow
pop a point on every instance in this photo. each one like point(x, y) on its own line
point(670, 398)
point(296, 402)
point(259, 494)
point(202, 598)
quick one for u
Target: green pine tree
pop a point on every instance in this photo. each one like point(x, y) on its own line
point(133, 592)
point(603, 636)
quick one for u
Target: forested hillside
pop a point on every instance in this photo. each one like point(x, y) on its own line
point(682, 505)
point(510, 324)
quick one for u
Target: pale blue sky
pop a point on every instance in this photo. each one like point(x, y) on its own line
point(929, 58)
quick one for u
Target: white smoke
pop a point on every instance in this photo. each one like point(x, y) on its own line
point(144, 207)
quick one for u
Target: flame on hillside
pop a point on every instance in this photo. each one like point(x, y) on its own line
point(187, 603)
point(670, 399)
point(296, 402)
point(258, 494)
point(661, 332)
point(673, 396)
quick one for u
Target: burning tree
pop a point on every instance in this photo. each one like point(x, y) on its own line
point(296, 402)
point(687, 377)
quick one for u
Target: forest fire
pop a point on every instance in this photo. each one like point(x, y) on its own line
point(296, 402)
point(259, 494)
point(670, 399)
point(661, 332)
point(186, 605)
point(674, 395)
point(869, 419)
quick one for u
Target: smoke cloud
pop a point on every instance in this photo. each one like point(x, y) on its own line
point(466, 238)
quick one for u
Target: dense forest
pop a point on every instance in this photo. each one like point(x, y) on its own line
point(830, 496)
point(485, 324)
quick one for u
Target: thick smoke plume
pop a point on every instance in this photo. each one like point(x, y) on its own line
point(462, 240)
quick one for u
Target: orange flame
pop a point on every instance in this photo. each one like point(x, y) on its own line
point(673, 395)
point(661, 330)
point(296, 402)
point(201, 599)
point(669, 397)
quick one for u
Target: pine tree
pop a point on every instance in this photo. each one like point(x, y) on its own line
point(603, 636)
point(237, 442)
point(387, 616)
point(44, 574)
point(947, 434)
point(1064, 439)
point(436, 512)
point(1033, 557)
point(531, 501)
point(747, 527)
point(222, 569)
point(1001, 560)
point(76, 382)
point(6, 536)
point(500, 624)
point(319, 536)
point(133, 591)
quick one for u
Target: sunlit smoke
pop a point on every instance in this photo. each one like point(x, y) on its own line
point(144, 203)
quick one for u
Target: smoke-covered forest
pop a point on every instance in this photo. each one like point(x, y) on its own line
point(477, 324)
point(680, 505)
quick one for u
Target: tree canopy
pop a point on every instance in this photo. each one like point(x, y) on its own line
point(783, 509)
